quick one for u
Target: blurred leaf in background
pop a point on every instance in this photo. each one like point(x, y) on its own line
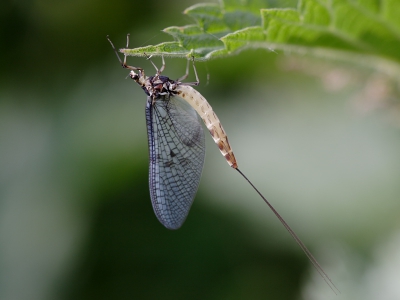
point(318, 136)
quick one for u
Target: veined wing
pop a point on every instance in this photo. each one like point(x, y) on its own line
point(177, 151)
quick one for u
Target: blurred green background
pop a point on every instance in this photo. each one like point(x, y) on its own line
point(320, 140)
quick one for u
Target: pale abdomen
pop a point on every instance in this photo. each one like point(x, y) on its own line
point(205, 111)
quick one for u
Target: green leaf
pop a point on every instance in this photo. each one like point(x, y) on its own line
point(203, 39)
point(363, 31)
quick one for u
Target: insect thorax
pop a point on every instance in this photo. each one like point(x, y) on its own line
point(155, 86)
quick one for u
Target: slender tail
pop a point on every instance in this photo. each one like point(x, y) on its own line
point(303, 247)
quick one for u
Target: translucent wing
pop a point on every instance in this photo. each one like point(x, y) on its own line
point(177, 151)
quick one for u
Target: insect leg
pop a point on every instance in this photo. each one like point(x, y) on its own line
point(127, 46)
point(186, 74)
point(123, 63)
point(197, 82)
point(159, 71)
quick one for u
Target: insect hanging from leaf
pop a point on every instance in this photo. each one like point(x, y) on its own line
point(174, 113)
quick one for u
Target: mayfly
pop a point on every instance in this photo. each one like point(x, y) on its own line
point(177, 146)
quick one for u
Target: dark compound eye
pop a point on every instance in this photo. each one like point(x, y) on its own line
point(134, 76)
